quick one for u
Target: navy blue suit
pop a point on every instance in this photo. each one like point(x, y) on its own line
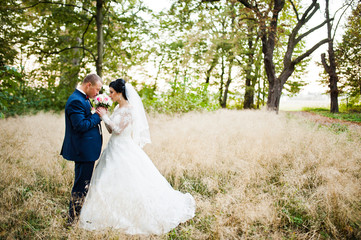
point(82, 144)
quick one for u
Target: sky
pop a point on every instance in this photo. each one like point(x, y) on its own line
point(313, 94)
point(157, 5)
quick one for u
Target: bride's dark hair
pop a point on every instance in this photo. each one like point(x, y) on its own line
point(119, 86)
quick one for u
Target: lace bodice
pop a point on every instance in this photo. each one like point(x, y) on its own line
point(120, 122)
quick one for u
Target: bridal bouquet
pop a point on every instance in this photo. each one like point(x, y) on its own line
point(102, 100)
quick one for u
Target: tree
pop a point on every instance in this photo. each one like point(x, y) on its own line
point(225, 33)
point(204, 37)
point(107, 34)
point(268, 32)
point(100, 38)
point(348, 56)
point(13, 41)
point(330, 67)
point(11, 34)
point(236, 40)
point(68, 39)
point(251, 76)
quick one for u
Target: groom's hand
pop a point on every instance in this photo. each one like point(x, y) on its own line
point(101, 111)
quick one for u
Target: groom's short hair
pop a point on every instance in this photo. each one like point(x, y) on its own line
point(92, 78)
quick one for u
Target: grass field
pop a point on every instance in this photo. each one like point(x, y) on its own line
point(353, 115)
point(254, 175)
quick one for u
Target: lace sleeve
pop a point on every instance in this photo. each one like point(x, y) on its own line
point(117, 127)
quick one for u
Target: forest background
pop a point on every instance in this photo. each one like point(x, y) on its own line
point(192, 55)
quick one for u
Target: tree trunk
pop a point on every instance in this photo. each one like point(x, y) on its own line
point(249, 95)
point(222, 82)
point(100, 38)
point(229, 80)
point(258, 80)
point(268, 44)
point(209, 71)
point(274, 91)
point(268, 37)
point(258, 94)
point(250, 80)
point(331, 68)
point(274, 95)
point(264, 93)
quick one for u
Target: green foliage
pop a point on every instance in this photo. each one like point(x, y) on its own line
point(17, 97)
point(12, 36)
point(317, 110)
point(294, 213)
point(351, 104)
point(178, 234)
point(182, 97)
point(216, 41)
point(344, 114)
point(348, 55)
point(207, 40)
point(63, 44)
point(338, 128)
point(235, 100)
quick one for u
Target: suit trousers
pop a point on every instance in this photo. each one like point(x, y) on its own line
point(83, 174)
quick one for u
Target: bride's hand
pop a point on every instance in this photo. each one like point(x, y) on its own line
point(101, 111)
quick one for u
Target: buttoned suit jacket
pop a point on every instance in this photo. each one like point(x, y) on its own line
point(83, 138)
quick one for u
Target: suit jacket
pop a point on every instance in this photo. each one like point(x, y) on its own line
point(83, 139)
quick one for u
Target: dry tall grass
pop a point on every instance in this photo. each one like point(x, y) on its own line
point(254, 174)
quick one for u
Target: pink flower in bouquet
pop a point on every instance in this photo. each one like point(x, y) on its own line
point(102, 100)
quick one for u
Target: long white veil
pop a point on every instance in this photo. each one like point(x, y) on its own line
point(140, 133)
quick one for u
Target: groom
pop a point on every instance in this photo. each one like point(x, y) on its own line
point(83, 141)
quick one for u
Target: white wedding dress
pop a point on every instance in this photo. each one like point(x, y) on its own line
point(127, 191)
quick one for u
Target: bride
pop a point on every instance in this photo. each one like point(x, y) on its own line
point(127, 191)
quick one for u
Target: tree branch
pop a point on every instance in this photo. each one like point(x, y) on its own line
point(324, 63)
point(305, 18)
point(247, 4)
point(116, 52)
point(272, 32)
point(295, 10)
point(339, 20)
point(293, 41)
point(311, 30)
point(58, 3)
point(87, 27)
point(69, 48)
point(258, 13)
point(309, 52)
point(317, 7)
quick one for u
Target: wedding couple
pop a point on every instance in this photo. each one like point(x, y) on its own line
point(126, 191)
